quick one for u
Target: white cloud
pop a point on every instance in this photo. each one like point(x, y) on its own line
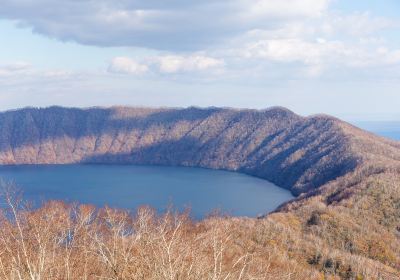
point(174, 63)
point(321, 54)
point(355, 24)
point(313, 46)
point(165, 64)
point(268, 39)
point(12, 68)
point(126, 65)
point(286, 8)
point(166, 25)
point(289, 50)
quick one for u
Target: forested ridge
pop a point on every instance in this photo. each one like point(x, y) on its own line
point(292, 151)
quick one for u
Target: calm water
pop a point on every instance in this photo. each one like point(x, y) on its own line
point(126, 186)
point(388, 129)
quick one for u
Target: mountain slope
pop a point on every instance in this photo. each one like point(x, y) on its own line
point(292, 151)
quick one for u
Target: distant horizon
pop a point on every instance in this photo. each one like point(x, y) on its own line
point(350, 119)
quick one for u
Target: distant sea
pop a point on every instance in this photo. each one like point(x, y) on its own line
point(388, 129)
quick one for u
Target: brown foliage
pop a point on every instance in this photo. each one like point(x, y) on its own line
point(60, 241)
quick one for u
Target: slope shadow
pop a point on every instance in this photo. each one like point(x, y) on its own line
point(32, 126)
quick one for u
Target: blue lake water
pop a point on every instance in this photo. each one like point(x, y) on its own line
point(125, 186)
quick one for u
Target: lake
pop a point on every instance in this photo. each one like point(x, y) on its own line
point(125, 186)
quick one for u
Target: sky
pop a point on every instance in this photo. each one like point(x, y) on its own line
point(336, 57)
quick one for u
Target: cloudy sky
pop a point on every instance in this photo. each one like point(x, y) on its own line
point(338, 57)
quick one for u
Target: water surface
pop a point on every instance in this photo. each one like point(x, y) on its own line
point(388, 129)
point(125, 186)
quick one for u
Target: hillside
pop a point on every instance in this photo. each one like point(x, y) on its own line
point(344, 224)
point(292, 151)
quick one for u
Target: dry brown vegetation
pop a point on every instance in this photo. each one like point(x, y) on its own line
point(59, 241)
point(316, 241)
point(345, 223)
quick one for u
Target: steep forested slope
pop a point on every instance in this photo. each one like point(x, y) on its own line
point(294, 152)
